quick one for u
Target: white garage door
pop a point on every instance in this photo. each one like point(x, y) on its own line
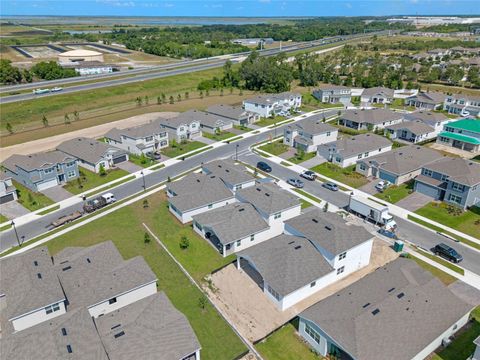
point(47, 184)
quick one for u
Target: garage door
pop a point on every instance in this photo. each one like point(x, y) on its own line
point(389, 177)
point(120, 159)
point(47, 184)
point(6, 198)
point(427, 190)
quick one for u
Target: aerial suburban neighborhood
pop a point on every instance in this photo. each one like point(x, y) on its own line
point(248, 180)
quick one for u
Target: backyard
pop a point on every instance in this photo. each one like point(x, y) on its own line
point(223, 135)
point(90, 180)
point(467, 221)
point(175, 149)
point(275, 148)
point(124, 228)
point(346, 175)
point(395, 193)
point(29, 199)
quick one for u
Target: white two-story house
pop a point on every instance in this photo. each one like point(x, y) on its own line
point(273, 104)
point(183, 127)
point(309, 133)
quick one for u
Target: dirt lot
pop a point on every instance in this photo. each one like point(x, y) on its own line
point(92, 132)
point(451, 151)
point(255, 316)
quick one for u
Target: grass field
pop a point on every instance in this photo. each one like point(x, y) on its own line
point(90, 180)
point(275, 147)
point(467, 222)
point(396, 193)
point(346, 175)
point(124, 228)
point(224, 135)
point(29, 199)
point(179, 149)
point(141, 161)
point(443, 262)
point(269, 121)
point(297, 159)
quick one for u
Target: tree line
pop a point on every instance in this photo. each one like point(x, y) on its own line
point(50, 70)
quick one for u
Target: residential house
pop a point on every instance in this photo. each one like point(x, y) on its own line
point(413, 131)
point(464, 105)
point(238, 115)
point(370, 318)
point(209, 122)
point(438, 54)
point(234, 176)
point(476, 354)
point(273, 104)
point(8, 192)
point(103, 308)
point(182, 127)
point(426, 100)
point(41, 171)
point(333, 94)
point(138, 140)
point(436, 120)
point(369, 119)
point(316, 250)
point(399, 165)
point(309, 133)
point(377, 95)
point(462, 134)
point(93, 154)
point(195, 194)
point(453, 180)
point(348, 150)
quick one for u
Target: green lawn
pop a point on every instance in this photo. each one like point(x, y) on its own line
point(242, 128)
point(447, 279)
point(346, 175)
point(220, 136)
point(275, 148)
point(442, 261)
point(305, 204)
point(467, 221)
point(175, 150)
point(90, 180)
point(308, 195)
point(476, 158)
point(29, 199)
point(286, 344)
point(462, 346)
point(3, 219)
point(269, 121)
point(142, 161)
point(299, 158)
point(124, 228)
point(396, 193)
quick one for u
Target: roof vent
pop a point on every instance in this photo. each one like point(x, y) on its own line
point(117, 335)
point(226, 170)
point(242, 209)
point(328, 228)
point(297, 247)
point(66, 268)
point(390, 290)
point(115, 326)
point(35, 263)
point(267, 194)
point(315, 221)
point(400, 295)
point(366, 305)
point(88, 260)
point(39, 275)
point(291, 242)
point(64, 332)
point(376, 311)
point(69, 349)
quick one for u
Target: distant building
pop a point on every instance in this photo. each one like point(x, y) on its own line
point(80, 55)
point(273, 104)
point(8, 192)
point(462, 134)
point(426, 100)
point(310, 133)
point(464, 105)
point(377, 95)
point(333, 94)
point(369, 119)
point(252, 41)
point(89, 67)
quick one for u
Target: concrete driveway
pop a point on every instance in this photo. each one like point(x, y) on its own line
point(12, 210)
point(414, 201)
point(205, 140)
point(369, 188)
point(317, 160)
point(129, 167)
point(57, 193)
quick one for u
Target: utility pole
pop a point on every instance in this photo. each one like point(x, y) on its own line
point(143, 178)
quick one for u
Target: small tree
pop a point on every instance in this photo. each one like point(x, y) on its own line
point(66, 119)
point(9, 128)
point(240, 92)
point(79, 183)
point(221, 92)
point(173, 143)
point(187, 95)
point(143, 159)
point(159, 100)
point(171, 100)
point(138, 101)
point(164, 98)
point(44, 120)
point(184, 243)
point(146, 100)
point(201, 94)
point(202, 302)
point(231, 90)
point(76, 115)
point(168, 179)
point(145, 203)
point(146, 238)
point(179, 97)
point(207, 93)
point(325, 207)
point(31, 199)
point(300, 154)
point(102, 170)
point(324, 119)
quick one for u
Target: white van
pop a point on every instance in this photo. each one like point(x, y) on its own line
point(109, 198)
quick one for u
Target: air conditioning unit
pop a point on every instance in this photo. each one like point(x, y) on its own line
point(446, 342)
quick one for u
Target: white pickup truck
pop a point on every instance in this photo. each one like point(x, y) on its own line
point(372, 211)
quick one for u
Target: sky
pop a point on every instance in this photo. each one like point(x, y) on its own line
point(249, 8)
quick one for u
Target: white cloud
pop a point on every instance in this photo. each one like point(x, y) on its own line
point(117, 3)
point(264, 1)
point(348, 5)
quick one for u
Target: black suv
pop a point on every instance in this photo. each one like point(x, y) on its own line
point(264, 166)
point(448, 253)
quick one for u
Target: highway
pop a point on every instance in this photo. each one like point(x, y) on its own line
point(182, 67)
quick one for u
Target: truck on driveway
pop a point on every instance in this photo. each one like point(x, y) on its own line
point(372, 211)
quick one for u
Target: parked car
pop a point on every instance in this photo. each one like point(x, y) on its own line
point(382, 185)
point(264, 166)
point(448, 253)
point(309, 175)
point(295, 182)
point(154, 155)
point(330, 186)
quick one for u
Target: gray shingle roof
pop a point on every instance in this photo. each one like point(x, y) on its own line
point(272, 98)
point(137, 132)
point(90, 150)
point(347, 316)
point(461, 171)
point(371, 116)
point(268, 198)
point(332, 87)
point(36, 161)
point(207, 119)
point(378, 91)
point(329, 231)
point(29, 283)
point(350, 146)
point(428, 117)
point(228, 171)
point(46, 340)
point(153, 330)
point(232, 222)
point(313, 125)
point(405, 159)
point(287, 263)
point(185, 118)
point(228, 111)
point(429, 97)
point(417, 127)
point(197, 190)
point(97, 273)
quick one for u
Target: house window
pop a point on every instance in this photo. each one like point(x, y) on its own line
point(338, 159)
point(366, 154)
point(273, 292)
point(449, 129)
point(149, 138)
point(328, 133)
point(71, 174)
point(112, 301)
point(340, 270)
point(427, 172)
point(193, 126)
point(277, 215)
point(313, 284)
point(181, 128)
point(363, 167)
point(342, 256)
point(70, 164)
point(252, 237)
point(444, 139)
point(48, 171)
point(163, 134)
point(197, 225)
point(455, 198)
point(239, 242)
point(444, 177)
point(52, 308)
point(238, 187)
point(312, 333)
point(359, 156)
point(458, 187)
point(210, 206)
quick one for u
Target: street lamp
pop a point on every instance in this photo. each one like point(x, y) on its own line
point(16, 233)
point(143, 178)
point(236, 152)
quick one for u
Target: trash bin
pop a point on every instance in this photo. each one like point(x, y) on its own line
point(398, 246)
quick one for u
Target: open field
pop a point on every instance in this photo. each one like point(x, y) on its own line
point(124, 228)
